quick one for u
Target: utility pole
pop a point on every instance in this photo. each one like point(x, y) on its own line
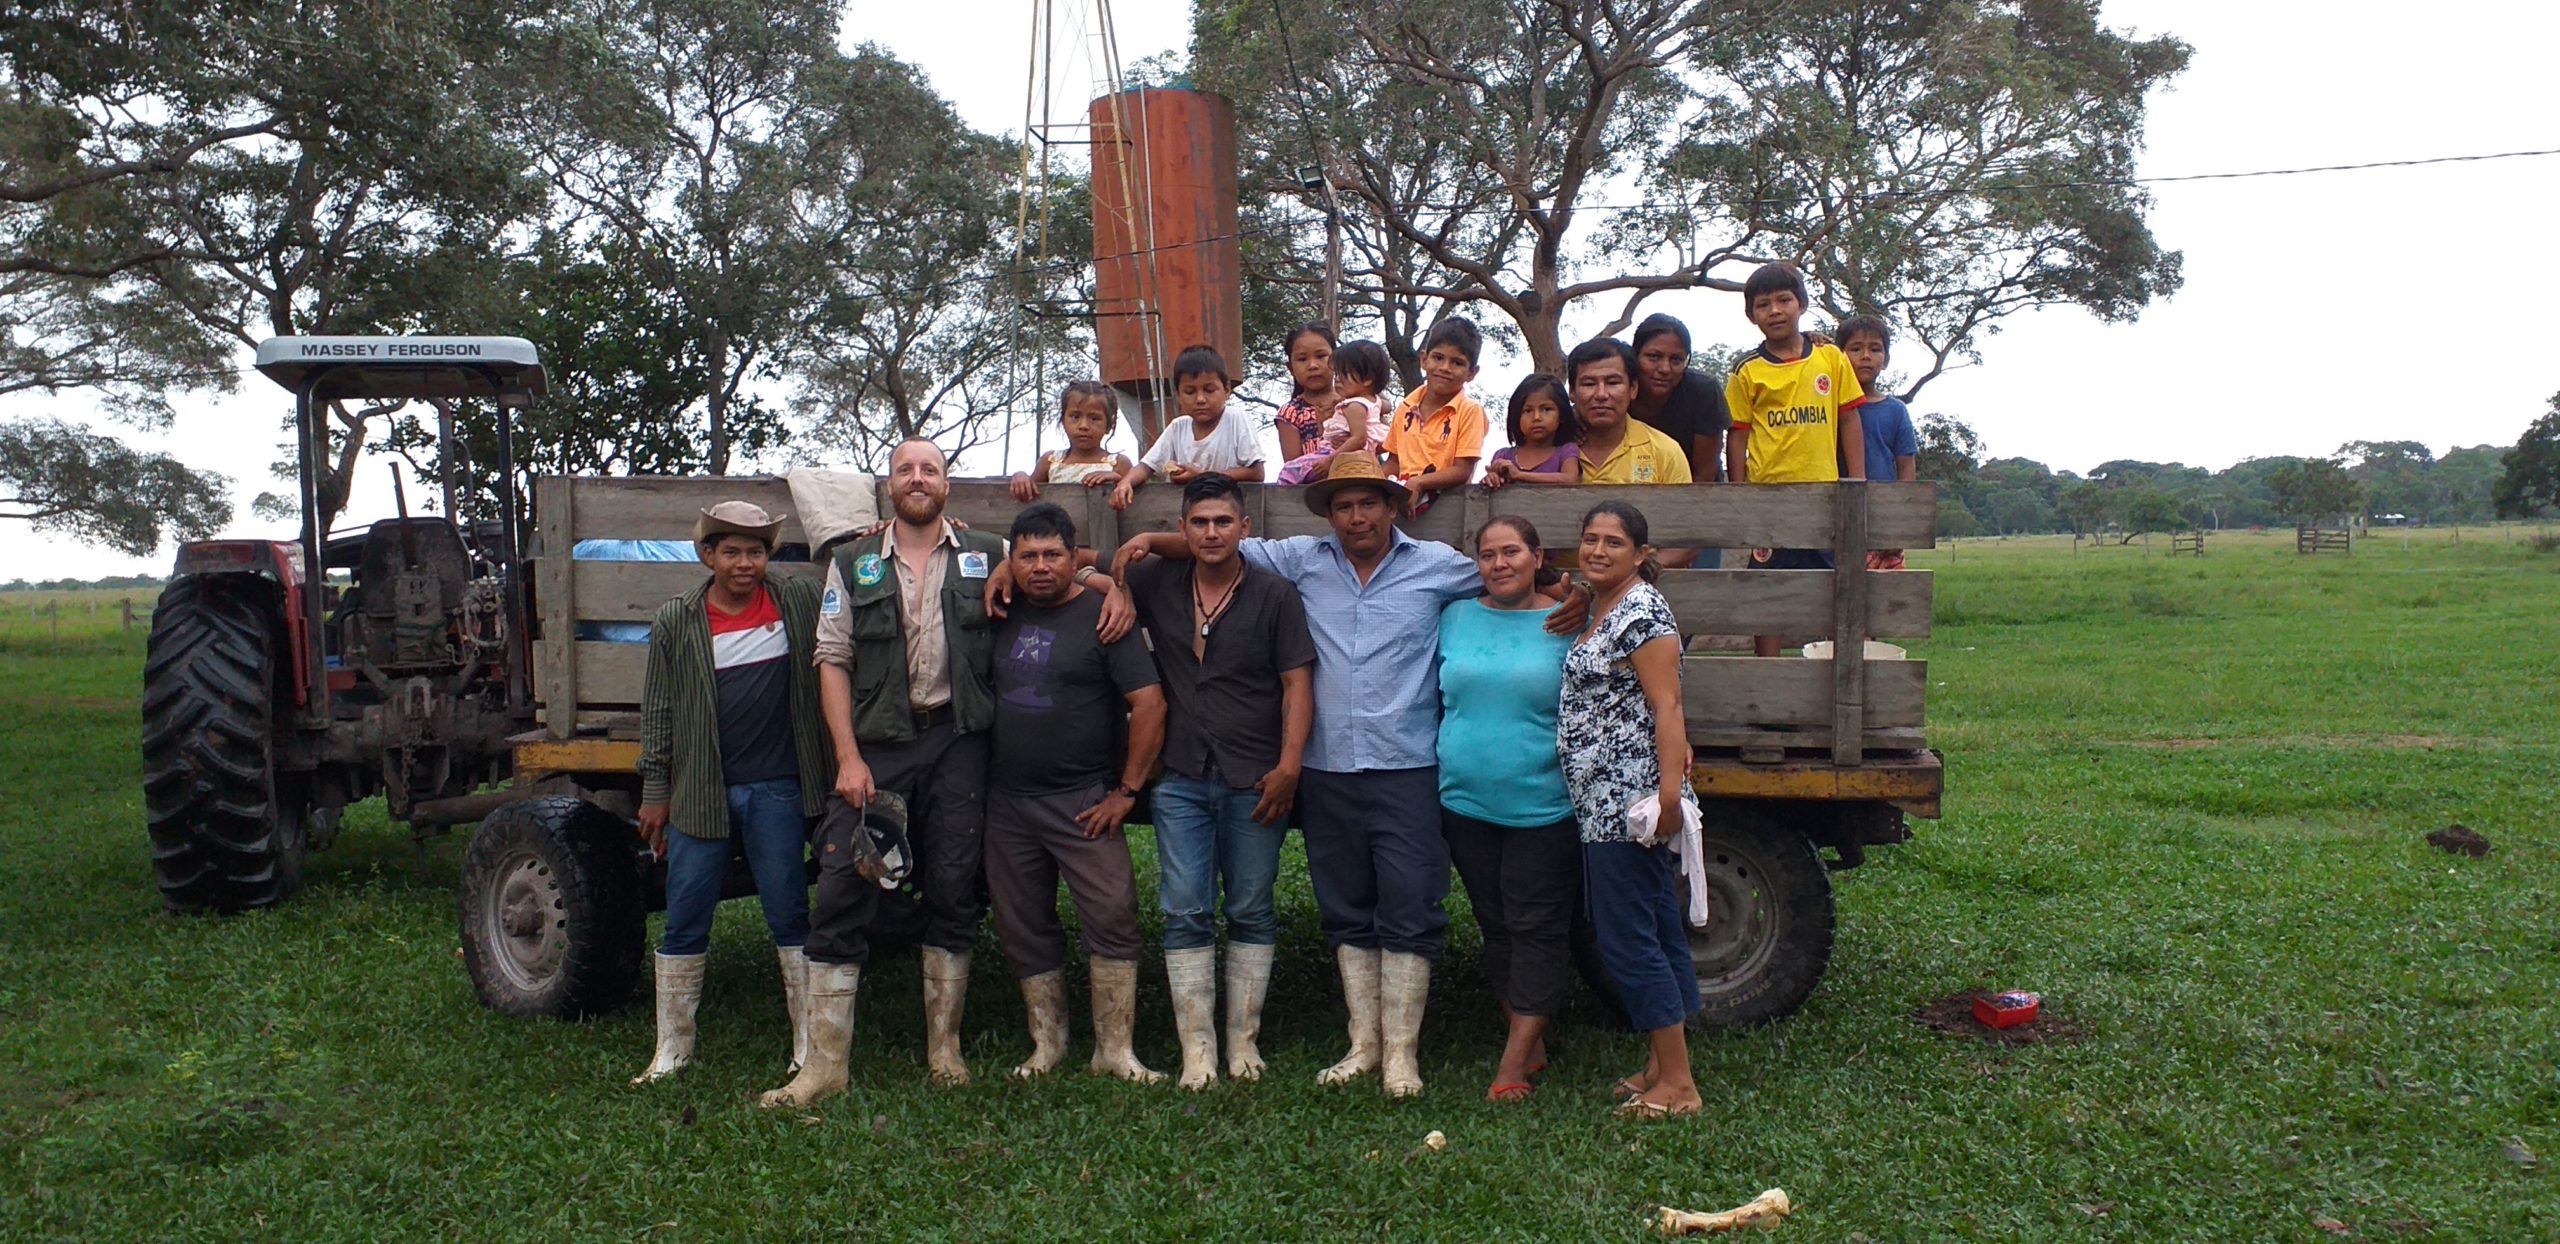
point(1313, 180)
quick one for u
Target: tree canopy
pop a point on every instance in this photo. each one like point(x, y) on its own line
point(1945, 163)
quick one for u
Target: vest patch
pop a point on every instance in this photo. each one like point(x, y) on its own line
point(868, 570)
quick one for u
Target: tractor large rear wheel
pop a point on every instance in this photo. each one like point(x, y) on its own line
point(222, 838)
point(552, 913)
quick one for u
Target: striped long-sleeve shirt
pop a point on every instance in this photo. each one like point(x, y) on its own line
point(680, 710)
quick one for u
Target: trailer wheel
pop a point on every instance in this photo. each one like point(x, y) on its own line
point(223, 839)
point(552, 913)
point(1769, 923)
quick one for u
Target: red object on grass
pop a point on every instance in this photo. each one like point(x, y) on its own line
point(2007, 1010)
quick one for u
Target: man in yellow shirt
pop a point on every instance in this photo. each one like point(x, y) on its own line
point(1617, 449)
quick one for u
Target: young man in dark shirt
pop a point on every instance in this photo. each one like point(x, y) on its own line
point(731, 741)
point(1057, 799)
point(1238, 666)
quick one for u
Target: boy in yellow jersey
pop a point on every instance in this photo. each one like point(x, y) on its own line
point(1795, 411)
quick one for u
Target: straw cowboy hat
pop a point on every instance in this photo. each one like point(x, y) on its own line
point(1358, 468)
point(738, 518)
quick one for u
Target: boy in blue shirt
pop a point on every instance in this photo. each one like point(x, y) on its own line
point(1893, 448)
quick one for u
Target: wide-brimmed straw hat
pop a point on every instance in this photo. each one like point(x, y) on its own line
point(1361, 469)
point(738, 518)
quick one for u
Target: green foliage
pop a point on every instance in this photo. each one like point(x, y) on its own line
point(2313, 491)
point(2143, 508)
point(60, 478)
point(2529, 475)
point(1946, 163)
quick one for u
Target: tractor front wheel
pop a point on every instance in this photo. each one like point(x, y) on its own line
point(552, 912)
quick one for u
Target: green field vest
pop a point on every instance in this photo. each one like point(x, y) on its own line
point(879, 631)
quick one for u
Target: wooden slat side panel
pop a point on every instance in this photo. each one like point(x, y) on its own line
point(1795, 691)
point(1787, 516)
point(555, 663)
point(663, 507)
point(1793, 602)
point(632, 591)
point(609, 675)
point(1757, 516)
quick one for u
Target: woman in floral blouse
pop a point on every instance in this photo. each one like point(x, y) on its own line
point(1624, 741)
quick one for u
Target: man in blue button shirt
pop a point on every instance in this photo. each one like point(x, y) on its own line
point(1369, 795)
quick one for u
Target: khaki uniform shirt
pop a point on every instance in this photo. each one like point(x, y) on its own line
point(920, 605)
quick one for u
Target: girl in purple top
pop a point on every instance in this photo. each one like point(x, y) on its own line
point(1543, 436)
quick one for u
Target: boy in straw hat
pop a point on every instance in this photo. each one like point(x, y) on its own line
point(731, 741)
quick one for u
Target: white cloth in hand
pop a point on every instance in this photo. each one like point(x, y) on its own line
point(1643, 817)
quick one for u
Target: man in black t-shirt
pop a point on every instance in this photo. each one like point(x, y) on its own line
point(1239, 675)
point(1057, 800)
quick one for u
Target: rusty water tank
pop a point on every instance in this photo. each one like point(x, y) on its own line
point(1167, 266)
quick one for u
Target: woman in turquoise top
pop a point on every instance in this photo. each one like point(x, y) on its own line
point(1503, 804)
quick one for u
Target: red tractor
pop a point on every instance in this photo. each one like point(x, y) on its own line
point(288, 680)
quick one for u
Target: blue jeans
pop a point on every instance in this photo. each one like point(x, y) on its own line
point(1639, 914)
point(1206, 841)
point(767, 820)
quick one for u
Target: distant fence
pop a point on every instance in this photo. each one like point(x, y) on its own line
point(2309, 540)
point(2187, 543)
point(50, 613)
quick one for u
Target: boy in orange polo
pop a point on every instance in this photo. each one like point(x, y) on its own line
point(1436, 434)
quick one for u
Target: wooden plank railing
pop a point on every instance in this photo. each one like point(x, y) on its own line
point(1843, 705)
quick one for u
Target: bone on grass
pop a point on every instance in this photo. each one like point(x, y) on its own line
point(1764, 1210)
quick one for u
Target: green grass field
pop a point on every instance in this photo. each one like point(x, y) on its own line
point(2185, 802)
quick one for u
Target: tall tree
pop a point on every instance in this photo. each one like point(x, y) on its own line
point(2529, 475)
point(1947, 162)
point(932, 313)
point(685, 118)
point(2311, 491)
point(1943, 163)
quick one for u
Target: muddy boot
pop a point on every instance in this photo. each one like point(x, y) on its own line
point(946, 989)
point(1248, 980)
point(795, 999)
point(1360, 998)
point(829, 1010)
point(1404, 985)
point(679, 995)
point(1193, 974)
point(1115, 1017)
point(1044, 1009)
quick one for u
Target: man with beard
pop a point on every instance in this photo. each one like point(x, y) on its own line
point(1066, 702)
point(903, 648)
point(1370, 792)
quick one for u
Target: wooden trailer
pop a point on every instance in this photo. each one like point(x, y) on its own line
point(1795, 756)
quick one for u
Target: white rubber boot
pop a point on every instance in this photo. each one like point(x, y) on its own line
point(1360, 998)
point(795, 999)
point(1115, 1019)
point(1193, 976)
point(1044, 1010)
point(829, 1010)
point(1248, 982)
point(1404, 987)
point(946, 992)
point(679, 996)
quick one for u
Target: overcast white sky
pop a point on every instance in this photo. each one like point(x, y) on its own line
point(2317, 309)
